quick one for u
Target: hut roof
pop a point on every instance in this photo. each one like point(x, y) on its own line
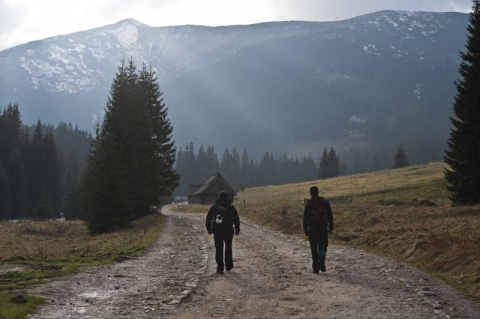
point(192, 189)
point(214, 185)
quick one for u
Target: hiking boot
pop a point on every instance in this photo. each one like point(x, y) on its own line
point(230, 268)
point(322, 264)
point(220, 272)
point(315, 271)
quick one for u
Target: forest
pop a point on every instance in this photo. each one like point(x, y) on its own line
point(239, 169)
point(40, 166)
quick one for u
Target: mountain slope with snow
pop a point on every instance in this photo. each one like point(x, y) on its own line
point(385, 77)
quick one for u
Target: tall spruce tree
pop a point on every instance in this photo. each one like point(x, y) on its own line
point(104, 193)
point(333, 163)
point(463, 153)
point(400, 159)
point(10, 127)
point(329, 164)
point(212, 158)
point(43, 173)
point(18, 185)
point(131, 164)
point(323, 166)
point(5, 197)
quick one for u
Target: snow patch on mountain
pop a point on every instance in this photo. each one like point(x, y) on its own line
point(62, 69)
point(84, 61)
point(371, 49)
point(126, 33)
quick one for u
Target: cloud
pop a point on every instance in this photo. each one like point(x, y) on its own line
point(179, 12)
point(10, 13)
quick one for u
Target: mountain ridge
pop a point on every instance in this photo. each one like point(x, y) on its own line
point(379, 69)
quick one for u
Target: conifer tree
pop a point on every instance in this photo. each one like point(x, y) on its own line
point(131, 165)
point(10, 127)
point(463, 156)
point(202, 164)
point(323, 166)
point(329, 164)
point(227, 165)
point(159, 130)
point(36, 166)
point(400, 159)
point(307, 168)
point(52, 172)
point(333, 163)
point(245, 169)
point(5, 198)
point(188, 166)
point(212, 158)
point(104, 194)
point(18, 181)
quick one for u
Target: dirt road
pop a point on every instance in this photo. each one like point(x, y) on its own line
point(272, 278)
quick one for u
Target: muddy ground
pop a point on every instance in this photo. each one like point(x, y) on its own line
point(272, 278)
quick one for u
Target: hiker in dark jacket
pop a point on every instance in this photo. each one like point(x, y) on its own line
point(317, 224)
point(221, 219)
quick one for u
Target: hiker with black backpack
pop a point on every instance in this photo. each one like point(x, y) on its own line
point(221, 219)
point(317, 224)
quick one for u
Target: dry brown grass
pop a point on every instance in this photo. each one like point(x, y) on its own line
point(70, 240)
point(390, 215)
point(35, 250)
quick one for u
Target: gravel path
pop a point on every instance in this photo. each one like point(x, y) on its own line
point(272, 279)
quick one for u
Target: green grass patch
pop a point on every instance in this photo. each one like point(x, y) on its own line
point(11, 310)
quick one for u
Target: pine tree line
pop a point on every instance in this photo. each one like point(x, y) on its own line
point(239, 169)
point(242, 172)
point(37, 178)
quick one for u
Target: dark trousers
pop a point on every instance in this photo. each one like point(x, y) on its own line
point(220, 240)
point(318, 237)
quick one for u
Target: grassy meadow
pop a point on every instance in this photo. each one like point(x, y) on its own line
point(32, 251)
point(403, 213)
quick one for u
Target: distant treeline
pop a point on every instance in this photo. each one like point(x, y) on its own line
point(195, 167)
point(242, 172)
point(40, 166)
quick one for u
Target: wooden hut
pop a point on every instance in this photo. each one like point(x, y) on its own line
point(207, 194)
point(192, 189)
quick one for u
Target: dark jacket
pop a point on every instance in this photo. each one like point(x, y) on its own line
point(229, 216)
point(307, 215)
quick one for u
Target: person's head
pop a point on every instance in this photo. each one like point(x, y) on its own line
point(314, 191)
point(222, 195)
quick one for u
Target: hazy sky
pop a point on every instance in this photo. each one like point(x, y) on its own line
point(22, 21)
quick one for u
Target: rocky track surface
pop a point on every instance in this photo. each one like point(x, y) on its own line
point(272, 278)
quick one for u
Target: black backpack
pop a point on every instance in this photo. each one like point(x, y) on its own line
point(220, 219)
point(319, 211)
